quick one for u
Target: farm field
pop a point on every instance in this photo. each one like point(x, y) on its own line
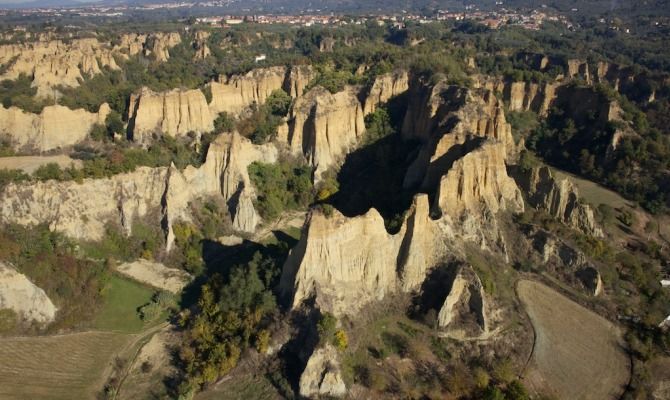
point(122, 299)
point(577, 353)
point(57, 367)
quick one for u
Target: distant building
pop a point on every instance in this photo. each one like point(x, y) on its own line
point(665, 283)
point(260, 57)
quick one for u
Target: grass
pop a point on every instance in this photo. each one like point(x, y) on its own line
point(122, 299)
point(57, 367)
point(594, 193)
point(577, 353)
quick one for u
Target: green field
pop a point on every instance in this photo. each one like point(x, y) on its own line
point(122, 299)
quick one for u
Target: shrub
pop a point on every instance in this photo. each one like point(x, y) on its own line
point(224, 122)
point(286, 185)
point(279, 102)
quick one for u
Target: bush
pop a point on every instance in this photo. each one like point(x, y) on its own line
point(286, 185)
point(279, 102)
point(224, 122)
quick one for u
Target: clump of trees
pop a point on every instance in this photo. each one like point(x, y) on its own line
point(261, 126)
point(286, 185)
point(232, 313)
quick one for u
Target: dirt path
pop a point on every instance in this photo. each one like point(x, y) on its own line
point(577, 353)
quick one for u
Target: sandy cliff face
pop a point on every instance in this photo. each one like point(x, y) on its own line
point(56, 126)
point(224, 174)
point(82, 210)
point(174, 113)
point(348, 262)
point(522, 96)
point(384, 88)
point(324, 127)
point(560, 198)
point(238, 92)
point(18, 293)
point(53, 63)
point(297, 80)
point(457, 120)
point(200, 45)
point(478, 183)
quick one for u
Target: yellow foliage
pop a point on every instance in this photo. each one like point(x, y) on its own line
point(341, 340)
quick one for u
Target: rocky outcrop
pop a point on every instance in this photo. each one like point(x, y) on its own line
point(82, 210)
point(559, 198)
point(520, 95)
point(53, 63)
point(324, 126)
point(322, 375)
point(236, 93)
point(298, 78)
point(56, 126)
point(465, 307)
point(450, 121)
point(224, 174)
point(478, 184)
point(348, 262)
point(173, 113)
point(156, 275)
point(200, 45)
point(384, 88)
point(19, 294)
point(157, 45)
point(571, 264)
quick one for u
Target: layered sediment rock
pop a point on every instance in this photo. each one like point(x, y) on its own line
point(559, 198)
point(298, 78)
point(384, 88)
point(56, 126)
point(450, 121)
point(477, 184)
point(322, 375)
point(224, 174)
point(324, 126)
point(236, 93)
point(522, 96)
point(159, 44)
point(82, 210)
point(348, 262)
point(200, 45)
point(465, 307)
point(19, 294)
point(53, 63)
point(174, 113)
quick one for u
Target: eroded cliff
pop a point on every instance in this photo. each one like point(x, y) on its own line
point(56, 126)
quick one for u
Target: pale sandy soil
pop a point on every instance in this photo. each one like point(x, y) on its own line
point(29, 164)
point(156, 275)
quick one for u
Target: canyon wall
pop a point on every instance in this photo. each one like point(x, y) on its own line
point(55, 127)
point(559, 198)
point(53, 63)
point(81, 210)
point(173, 113)
point(324, 127)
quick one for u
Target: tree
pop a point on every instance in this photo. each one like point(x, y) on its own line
point(279, 102)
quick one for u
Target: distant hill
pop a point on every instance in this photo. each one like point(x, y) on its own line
point(588, 7)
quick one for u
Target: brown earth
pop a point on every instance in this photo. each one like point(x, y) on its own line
point(577, 353)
